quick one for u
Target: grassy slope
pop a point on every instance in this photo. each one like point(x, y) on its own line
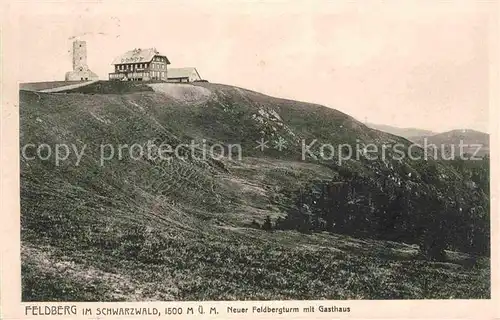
point(152, 230)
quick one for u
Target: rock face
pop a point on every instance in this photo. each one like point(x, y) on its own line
point(81, 70)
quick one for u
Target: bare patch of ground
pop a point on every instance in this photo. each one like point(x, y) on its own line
point(183, 92)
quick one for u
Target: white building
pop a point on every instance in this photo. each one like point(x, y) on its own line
point(140, 65)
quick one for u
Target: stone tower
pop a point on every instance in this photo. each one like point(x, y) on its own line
point(80, 69)
point(79, 54)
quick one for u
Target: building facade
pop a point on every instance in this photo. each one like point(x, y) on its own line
point(140, 65)
point(81, 70)
point(183, 75)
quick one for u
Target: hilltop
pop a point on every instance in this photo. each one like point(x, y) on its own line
point(194, 228)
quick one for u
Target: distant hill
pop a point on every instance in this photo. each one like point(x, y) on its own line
point(445, 139)
point(471, 139)
point(402, 132)
point(455, 136)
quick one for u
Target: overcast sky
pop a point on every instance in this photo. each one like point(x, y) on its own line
point(417, 64)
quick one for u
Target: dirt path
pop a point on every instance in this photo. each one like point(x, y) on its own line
point(69, 87)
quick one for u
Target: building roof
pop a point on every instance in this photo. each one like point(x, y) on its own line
point(138, 55)
point(181, 72)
